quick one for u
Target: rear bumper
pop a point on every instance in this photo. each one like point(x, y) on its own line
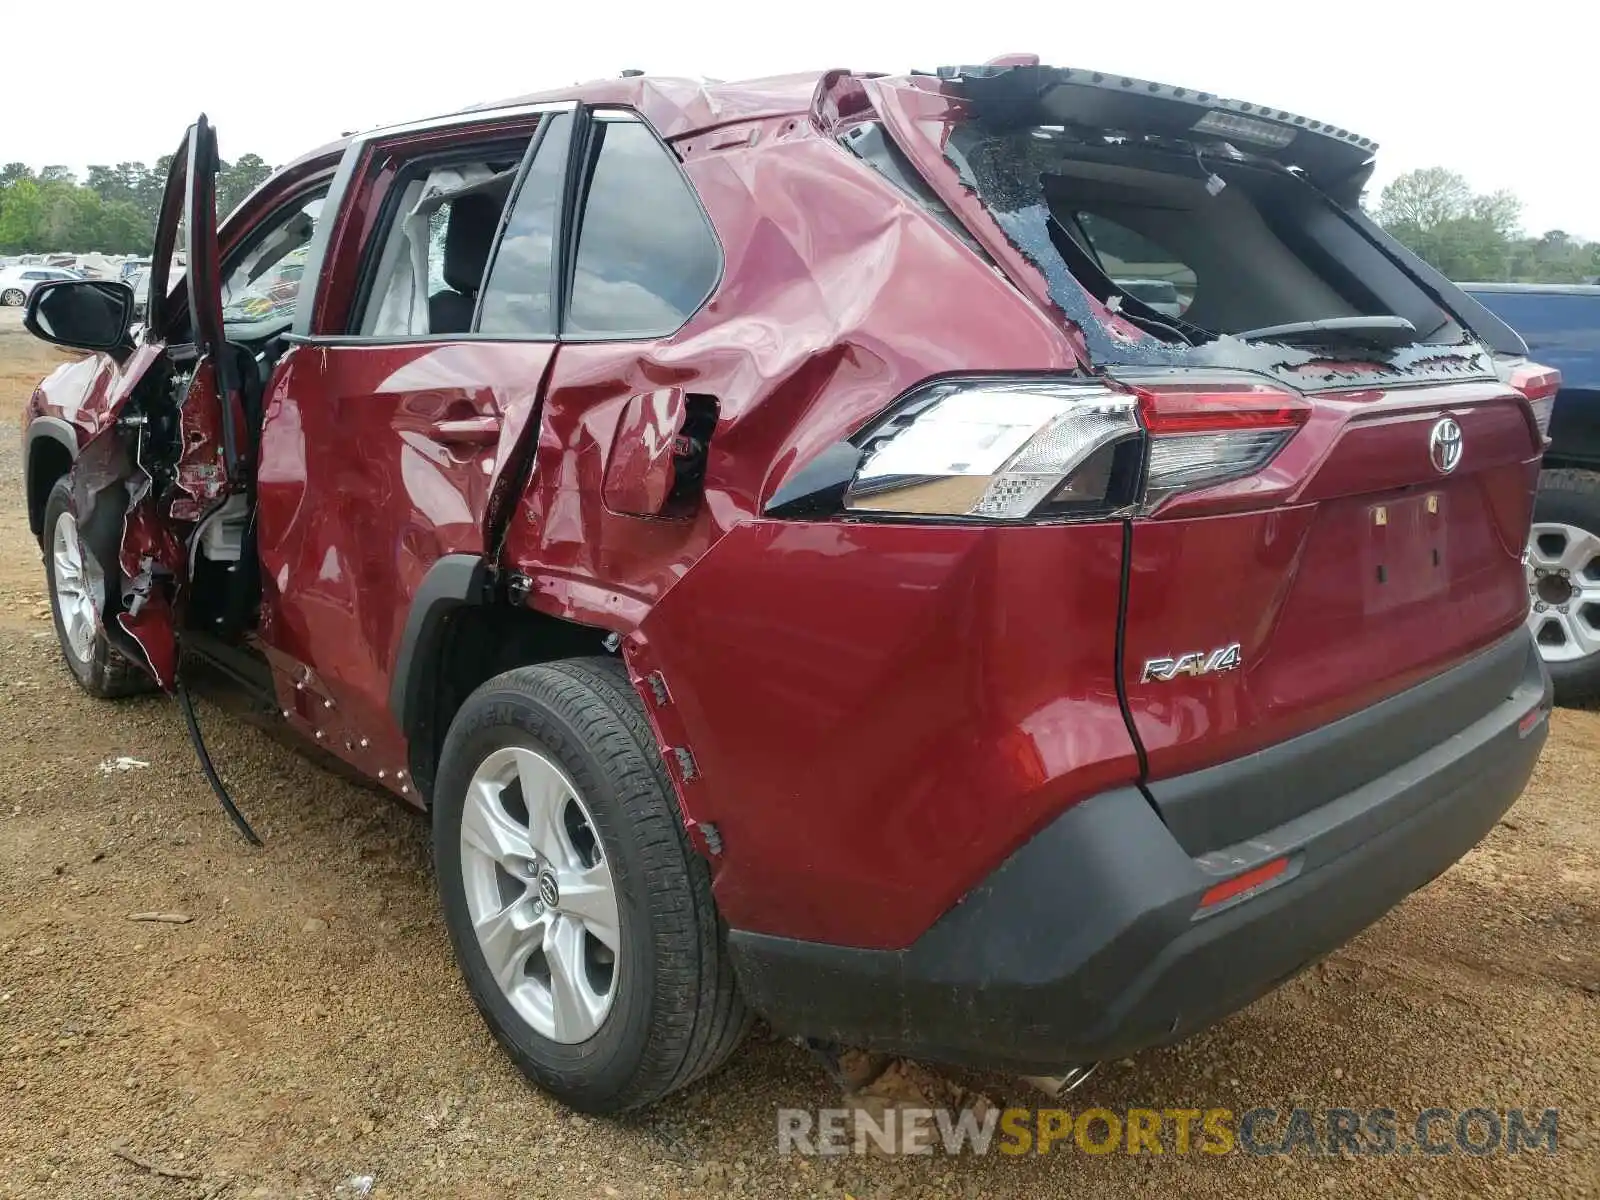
point(1086, 944)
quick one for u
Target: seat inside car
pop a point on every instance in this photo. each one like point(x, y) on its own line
point(468, 238)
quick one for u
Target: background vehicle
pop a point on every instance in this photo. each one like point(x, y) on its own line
point(1561, 324)
point(1160, 295)
point(139, 281)
point(795, 575)
point(17, 283)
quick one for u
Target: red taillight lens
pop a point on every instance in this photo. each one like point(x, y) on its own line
point(1210, 429)
point(1213, 407)
point(1539, 384)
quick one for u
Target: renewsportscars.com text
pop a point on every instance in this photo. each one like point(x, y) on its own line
point(1258, 1131)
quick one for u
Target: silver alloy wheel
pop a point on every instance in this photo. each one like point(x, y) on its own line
point(78, 619)
point(1563, 573)
point(13, 298)
point(540, 894)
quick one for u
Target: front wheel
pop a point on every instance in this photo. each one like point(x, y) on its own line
point(1563, 573)
point(100, 669)
point(12, 298)
point(582, 919)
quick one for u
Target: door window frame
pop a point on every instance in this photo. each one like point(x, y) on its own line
point(252, 236)
point(389, 214)
point(564, 221)
point(357, 217)
point(343, 240)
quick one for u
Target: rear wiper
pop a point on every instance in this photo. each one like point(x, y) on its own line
point(1383, 332)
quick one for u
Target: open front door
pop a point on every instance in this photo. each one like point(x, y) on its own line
point(175, 447)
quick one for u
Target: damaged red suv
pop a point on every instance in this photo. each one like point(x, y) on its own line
point(1003, 566)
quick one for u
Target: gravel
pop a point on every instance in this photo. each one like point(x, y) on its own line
point(305, 1032)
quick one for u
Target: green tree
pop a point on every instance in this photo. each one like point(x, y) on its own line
point(1424, 199)
point(1502, 210)
point(1471, 236)
point(22, 206)
point(236, 182)
point(125, 230)
point(120, 182)
point(147, 192)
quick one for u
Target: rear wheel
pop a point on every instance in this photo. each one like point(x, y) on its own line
point(1563, 573)
point(581, 917)
point(12, 297)
point(100, 669)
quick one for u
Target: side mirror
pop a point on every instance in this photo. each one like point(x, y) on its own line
point(85, 314)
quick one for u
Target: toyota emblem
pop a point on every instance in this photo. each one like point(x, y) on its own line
point(549, 890)
point(1444, 445)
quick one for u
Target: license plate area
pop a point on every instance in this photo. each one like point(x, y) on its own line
point(1407, 551)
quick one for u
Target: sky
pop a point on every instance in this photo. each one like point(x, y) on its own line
point(1507, 100)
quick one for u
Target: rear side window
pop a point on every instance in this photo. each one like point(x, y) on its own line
point(517, 296)
point(646, 258)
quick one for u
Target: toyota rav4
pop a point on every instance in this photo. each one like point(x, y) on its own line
point(797, 578)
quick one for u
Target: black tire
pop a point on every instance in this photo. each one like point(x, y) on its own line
point(677, 1013)
point(1572, 497)
point(13, 298)
point(106, 673)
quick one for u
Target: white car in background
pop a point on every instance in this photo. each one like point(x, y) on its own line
point(16, 283)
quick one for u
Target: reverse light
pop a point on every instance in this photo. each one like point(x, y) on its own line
point(1539, 384)
point(1245, 129)
point(1001, 450)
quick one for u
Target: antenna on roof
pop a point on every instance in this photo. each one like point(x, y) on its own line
point(631, 72)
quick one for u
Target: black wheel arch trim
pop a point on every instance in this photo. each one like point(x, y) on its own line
point(454, 581)
point(49, 429)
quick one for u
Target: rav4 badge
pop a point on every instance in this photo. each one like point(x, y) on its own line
point(1195, 663)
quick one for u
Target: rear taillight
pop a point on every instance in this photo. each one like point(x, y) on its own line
point(1538, 385)
point(1048, 448)
point(1210, 430)
point(1000, 450)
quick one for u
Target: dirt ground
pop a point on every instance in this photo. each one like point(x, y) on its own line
point(307, 1028)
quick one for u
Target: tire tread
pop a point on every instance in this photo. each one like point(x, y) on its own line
point(698, 1016)
point(110, 674)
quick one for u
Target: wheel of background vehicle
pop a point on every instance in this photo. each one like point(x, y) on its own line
point(12, 297)
point(99, 668)
point(581, 917)
point(1563, 571)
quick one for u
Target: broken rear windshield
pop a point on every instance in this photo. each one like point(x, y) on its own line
point(1190, 242)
